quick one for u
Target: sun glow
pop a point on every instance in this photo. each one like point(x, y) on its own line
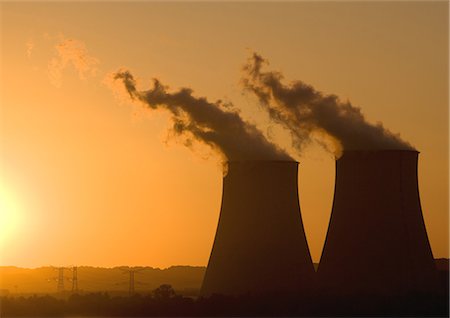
point(10, 215)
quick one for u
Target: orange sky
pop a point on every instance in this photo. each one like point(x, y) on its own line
point(89, 179)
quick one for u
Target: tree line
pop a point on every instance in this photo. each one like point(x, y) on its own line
point(163, 301)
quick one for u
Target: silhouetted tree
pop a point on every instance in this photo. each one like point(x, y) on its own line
point(164, 291)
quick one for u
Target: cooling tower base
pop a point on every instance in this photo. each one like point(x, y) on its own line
point(260, 245)
point(376, 241)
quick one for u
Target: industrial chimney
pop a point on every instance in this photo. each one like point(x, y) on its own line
point(376, 241)
point(260, 245)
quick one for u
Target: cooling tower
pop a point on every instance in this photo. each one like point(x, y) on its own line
point(260, 245)
point(376, 241)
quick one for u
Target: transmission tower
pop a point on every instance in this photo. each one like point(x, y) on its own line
point(131, 283)
point(74, 279)
point(59, 279)
point(60, 285)
point(131, 289)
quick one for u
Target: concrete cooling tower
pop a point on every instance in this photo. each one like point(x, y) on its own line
point(376, 241)
point(260, 245)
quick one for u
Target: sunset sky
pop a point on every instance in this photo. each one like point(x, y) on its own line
point(90, 178)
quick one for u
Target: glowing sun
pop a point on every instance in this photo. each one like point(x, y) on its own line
point(10, 214)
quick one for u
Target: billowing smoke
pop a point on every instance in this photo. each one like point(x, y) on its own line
point(304, 111)
point(195, 118)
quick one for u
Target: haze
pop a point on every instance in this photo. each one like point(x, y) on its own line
point(88, 178)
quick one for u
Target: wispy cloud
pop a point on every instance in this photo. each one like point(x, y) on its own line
point(71, 52)
point(30, 48)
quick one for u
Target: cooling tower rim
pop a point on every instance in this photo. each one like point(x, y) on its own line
point(367, 153)
point(380, 151)
point(260, 161)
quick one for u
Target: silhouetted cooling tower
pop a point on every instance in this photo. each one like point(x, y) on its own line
point(260, 245)
point(376, 241)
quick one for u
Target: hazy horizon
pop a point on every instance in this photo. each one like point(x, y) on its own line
point(90, 177)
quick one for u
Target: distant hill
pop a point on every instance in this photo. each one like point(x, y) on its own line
point(184, 279)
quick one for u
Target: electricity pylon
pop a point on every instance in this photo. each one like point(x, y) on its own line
point(131, 284)
point(59, 279)
point(74, 279)
point(60, 285)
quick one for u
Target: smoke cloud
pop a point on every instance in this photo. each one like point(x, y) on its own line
point(214, 124)
point(304, 111)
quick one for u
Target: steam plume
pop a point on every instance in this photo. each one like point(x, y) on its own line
point(197, 118)
point(303, 110)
